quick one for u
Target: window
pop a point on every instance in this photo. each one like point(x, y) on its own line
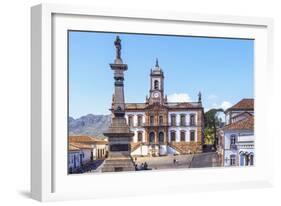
point(192, 135)
point(130, 121)
point(161, 137)
point(173, 120)
point(233, 139)
point(160, 120)
point(151, 120)
point(139, 120)
point(156, 84)
point(173, 136)
point(139, 136)
point(182, 120)
point(182, 136)
point(151, 137)
point(232, 160)
point(192, 120)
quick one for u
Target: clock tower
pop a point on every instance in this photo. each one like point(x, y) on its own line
point(156, 92)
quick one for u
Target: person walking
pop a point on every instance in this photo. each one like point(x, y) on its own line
point(145, 166)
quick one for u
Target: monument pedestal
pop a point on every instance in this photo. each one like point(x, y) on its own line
point(118, 165)
point(119, 138)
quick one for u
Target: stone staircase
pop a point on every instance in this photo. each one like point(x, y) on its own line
point(135, 146)
point(186, 147)
point(118, 165)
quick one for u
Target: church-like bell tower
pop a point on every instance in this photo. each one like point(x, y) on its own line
point(156, 92)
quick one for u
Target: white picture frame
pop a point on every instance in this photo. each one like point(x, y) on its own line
point(49, 179)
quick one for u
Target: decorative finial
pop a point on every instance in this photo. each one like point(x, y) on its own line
point(156, 65)
point(117, 44)
point(199, 97)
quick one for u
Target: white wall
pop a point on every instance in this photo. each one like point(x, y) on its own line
point(142, 150)
point(187, 117)
point(87, 155)
point(178, 128)
point(240, 135)
point(15, 86)
point(136, 129)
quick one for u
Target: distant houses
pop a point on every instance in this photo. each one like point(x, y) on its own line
point(236, 138)
point(83, 150)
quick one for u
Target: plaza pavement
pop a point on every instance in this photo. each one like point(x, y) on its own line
point(209, 159)
point(182, 161)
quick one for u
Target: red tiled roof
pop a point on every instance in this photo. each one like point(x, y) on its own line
point(135, 106)
point(244, 124)
point(183, 105)
point(73, 148)
point(86, 140)
point(80, 145)
point(244, 104)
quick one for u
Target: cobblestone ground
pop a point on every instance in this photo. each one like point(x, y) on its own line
point(209, 159)
point(182, 161)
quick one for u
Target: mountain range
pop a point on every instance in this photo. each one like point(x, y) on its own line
point(92, 125)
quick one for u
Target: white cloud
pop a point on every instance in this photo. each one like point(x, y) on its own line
point(180, 97)
point(225, 105)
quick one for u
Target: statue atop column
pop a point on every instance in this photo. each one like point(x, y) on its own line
point(118, 133)
point(118, 47)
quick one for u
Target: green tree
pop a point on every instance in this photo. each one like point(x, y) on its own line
point(212, 123)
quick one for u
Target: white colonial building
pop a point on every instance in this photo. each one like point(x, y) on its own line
point(84, 149)
point(162, 127)
point(236, 139)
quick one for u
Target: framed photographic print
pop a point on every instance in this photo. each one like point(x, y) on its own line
point(134, 102)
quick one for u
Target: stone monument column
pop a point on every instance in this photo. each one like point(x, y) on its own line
point(119, 134)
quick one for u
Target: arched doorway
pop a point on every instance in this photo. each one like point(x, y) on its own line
point(242, 159)
point(151, 138)
point(251, 158)
point(161, 137)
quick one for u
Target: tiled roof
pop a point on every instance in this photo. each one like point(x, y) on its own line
point(80, 145)
point(171, 105)
point(135, 105)
point(244, 124)
point(241, 114)
point(73, 148)
point(82, 139)
point(86, 140)
point(244, 104)
point(184, 105)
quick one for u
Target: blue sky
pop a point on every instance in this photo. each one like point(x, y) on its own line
point(222, 69)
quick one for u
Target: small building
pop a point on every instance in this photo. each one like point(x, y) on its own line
point(98, 147)
point(85, 155)
point(236, 139)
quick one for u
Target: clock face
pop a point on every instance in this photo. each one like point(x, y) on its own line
point(156, 94)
